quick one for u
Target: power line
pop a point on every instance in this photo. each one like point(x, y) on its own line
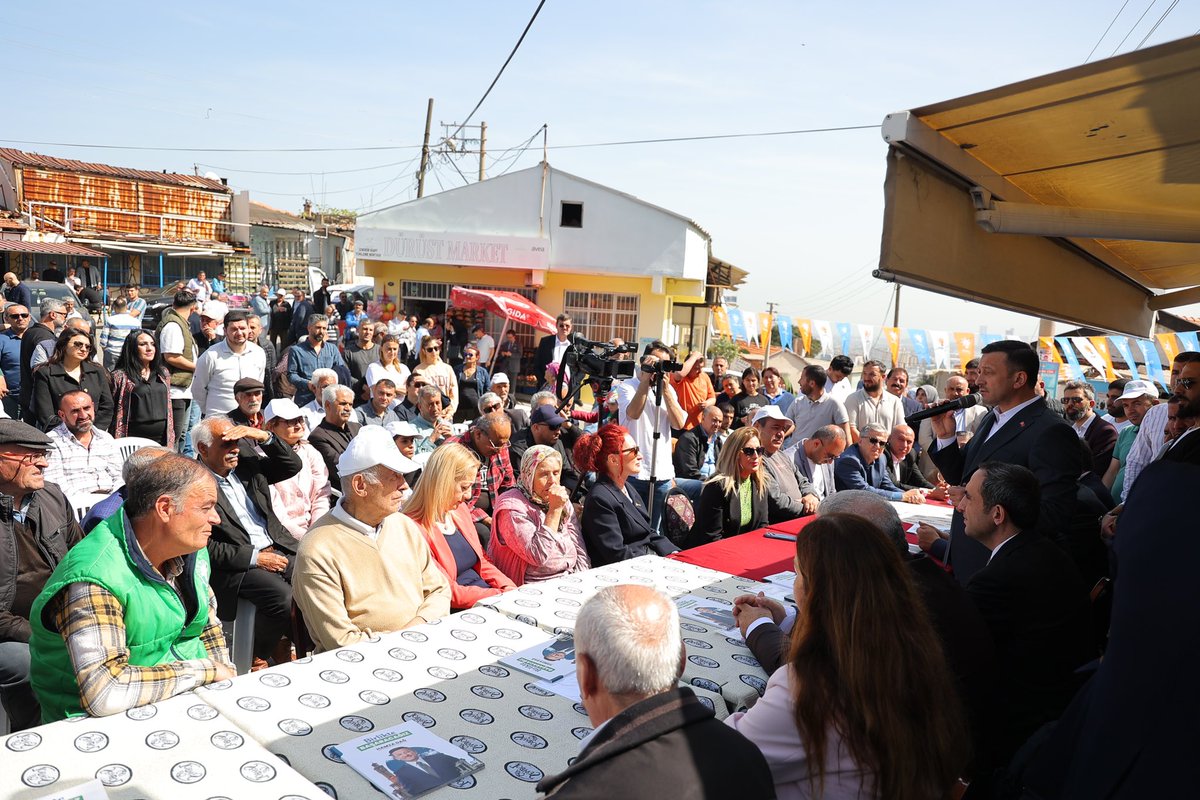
point(1106, 30)
point(503, 66)
point(1170, 8)
point(310, 172)
point(714, 136)
point(1131, 30)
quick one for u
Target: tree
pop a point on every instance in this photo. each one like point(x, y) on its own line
point(722, 347)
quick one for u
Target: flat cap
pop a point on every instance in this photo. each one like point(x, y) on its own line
point(247, 385)
point(15, 432)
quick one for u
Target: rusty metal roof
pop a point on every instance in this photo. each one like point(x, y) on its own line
point(49, 248)
point(38, 161)
point(261, 214)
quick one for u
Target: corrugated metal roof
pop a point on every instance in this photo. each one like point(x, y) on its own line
point(261, 214)
point(49, 248)
point(38, 161)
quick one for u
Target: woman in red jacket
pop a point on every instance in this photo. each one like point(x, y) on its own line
point(438, 506)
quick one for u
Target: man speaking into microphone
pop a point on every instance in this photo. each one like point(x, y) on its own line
point(1019, 429)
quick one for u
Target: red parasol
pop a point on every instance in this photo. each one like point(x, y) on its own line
point(509, 305)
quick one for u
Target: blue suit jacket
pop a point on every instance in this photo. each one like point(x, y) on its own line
point(851, 472)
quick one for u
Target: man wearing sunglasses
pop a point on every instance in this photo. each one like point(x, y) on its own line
point(863, 467)
point(17, 318)
point(1187, 447)
point(551, 347)
point(1079, 402)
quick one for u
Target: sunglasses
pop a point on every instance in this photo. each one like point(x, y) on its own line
point(634, 450)
point(84, 345)
point(1066, 400)
point(1186, 383)
point(432, 349)
point(490, 409)
point(17, 316)
point(750, 452)
point(877, 442)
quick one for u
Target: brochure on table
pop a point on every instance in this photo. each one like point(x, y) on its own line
point(707, 611)
point(407, 761)
point(551, 661)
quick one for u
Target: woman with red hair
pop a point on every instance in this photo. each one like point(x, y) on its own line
point(616, 525)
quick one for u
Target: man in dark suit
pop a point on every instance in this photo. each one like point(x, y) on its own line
point(252, 554)
point(552, 346)
point(1019, 429)
point(901, 460)
point(657, 739)
point(692, 448)
point(1079, 403)
point(420, 771)
point(1186, 448)
point(333, 435)
point(1033, 600)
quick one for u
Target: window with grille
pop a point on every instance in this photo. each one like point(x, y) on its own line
point(601, 316)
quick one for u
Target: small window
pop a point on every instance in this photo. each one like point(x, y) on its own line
point(572, 215)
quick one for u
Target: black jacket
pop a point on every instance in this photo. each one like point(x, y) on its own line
point(689, 452)
point(229, 547)
point(51, 382)
point(1036, 438)
point(719, 514)
point(331, 441)
point(910, 473)
point(668, 745)
point(51, 522)
point(35, 335)
point(616, 525)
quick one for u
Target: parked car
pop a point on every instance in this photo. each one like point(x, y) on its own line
point(58, 291)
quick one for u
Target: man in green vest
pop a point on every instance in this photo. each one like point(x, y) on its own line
point(128, 618)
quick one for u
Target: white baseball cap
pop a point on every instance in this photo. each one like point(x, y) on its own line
point(282, 408)
point(1136, 389)
point(406, 428)
point(214, 309)
point(499, 377)
point(769, 412)
point(371, 447)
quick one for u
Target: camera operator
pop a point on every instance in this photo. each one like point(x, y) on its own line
point(643, 417)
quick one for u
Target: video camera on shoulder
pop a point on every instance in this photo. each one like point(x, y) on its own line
point(592, 361)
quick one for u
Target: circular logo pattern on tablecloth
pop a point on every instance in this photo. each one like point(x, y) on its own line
point(313, 700)
point(353, 722)
point(704, 661)
point(570, 590)
point(388, 675)
point(304, 660)
point(114, 774)
point(162, 740)
point(400, 654)
point(526, 589)
point(274, 680)
point(508, 633)
point(39, 775)
point(607, 578)
point(442, 673)
point(581, 732)
point(373, 697)
point(424, 720)
point(476, 716)
point(524, 771)
point(326, 788)
point(567, 601)
point(527, 603)
point(414, 636)
point(463, 636)
point(579, 709)
point(540, 691)
point(708, 703)
point(566, 614)
point(500, 651)
point(705, 683)
point(735, 642)
point(333, 676)
point(91, 742)
point(221, 686)
point(487, 692)
point(530, 740)
point(330, 752)
point(494, 671)
point(715, 590)
point(674, 590)
point(741, 658)
point(528, 620)
point(202, 712)
point(23, 742)
point(188, 772)
point(350, 656)
point(227, 740)
point(257, 771)
point(535, 712)
point(430, 695)
point(252, 703)
point(465, 782)
point(699, 644)
point(571, 579)
point(755, 682)
point(468, 744)
point(141, 712)
point(472, 617)
point(451, 654)
point(295, 727)
point(691, 627)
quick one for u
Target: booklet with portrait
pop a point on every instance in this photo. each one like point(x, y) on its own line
point(551, 661)
point(406, 761)
point(710, 612)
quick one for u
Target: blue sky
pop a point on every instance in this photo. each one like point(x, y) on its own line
point(801, 213)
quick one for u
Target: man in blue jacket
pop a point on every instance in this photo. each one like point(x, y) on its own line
point(864, 467)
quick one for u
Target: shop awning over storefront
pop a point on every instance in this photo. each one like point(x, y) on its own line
point(1074, 196)
point(49, 248)
point(511, 306)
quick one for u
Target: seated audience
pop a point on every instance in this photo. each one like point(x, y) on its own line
point(34, 537)
point(303, 498)
point(832, 722)
point(332, 435)
point(405, 435)
point(862, 466)
point(321, 380)
point(136, 460)
point(378, 408)
point(440, 507)
point(900, 463)
point(792, 493)
point(128, 618)
point(518, 416)
point(814, 458)
point(248, 394)
point(82, 459)
point(487, 440)
point(252, 552)
point(616, 524)
point(814, 407)
point(365, 569)
point(697, 449)
point(431, 418)
point(70, 369)
point(735, 499)
point(651, 738)
point(535, 532)
point(546, 428)
point(407, 409)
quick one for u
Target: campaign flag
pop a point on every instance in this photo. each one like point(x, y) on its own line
point(844, 334)
point(784, 324)
point(866, 333)
point(987, 338)
point(965, 342)
point(920, 343)
point(1190, 340)
point(1122, 345)
point(1153, 365)
point(737, 324)
point(941, 348)
point(1093, 355)
point(765, 323)
point(1074, 371)
point(1047, 351)
point(824, 333)
point(1170, 345)
point(1101, 345)
point(893, 339)
point(805, 327)
point(721, 322)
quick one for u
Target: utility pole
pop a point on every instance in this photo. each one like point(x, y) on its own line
point(896, 309)
point(425, 151)
point(483, 148)
point(770, 329)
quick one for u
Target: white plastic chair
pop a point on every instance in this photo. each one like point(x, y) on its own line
point(129, 444)
point(82, 503)
point(241, 652)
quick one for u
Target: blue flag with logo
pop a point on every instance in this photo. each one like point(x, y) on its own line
point(1153, 365)
point(1122, 345)
point(920, 343)
point(844, 333)
point(784, 324)
point(1076, 371)
point(737, 325)
point(988, 338)
point(1190, 340)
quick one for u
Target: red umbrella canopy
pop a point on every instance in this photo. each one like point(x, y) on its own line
point(509, 305)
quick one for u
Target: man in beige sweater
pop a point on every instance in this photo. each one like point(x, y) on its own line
point(364, 568)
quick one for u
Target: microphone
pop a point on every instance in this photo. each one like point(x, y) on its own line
point(966, 401)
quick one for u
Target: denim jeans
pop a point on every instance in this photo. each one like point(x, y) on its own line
point(661, 490)
point(15, 692)
point(193, 417)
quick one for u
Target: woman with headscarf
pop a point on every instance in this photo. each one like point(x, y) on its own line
point(535, 533)
point(927, 395)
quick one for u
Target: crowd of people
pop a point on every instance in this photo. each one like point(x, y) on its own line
point(373, 481)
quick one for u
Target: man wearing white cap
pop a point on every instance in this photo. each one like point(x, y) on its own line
point(794, 494)
point(1137, 398)
point(303, 498)
point(365, 569)
point(519, 417)
point(212, 314)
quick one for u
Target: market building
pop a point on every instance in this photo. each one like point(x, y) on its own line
point(620, 266)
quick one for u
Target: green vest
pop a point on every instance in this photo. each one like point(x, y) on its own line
point(179, 377)
point(156, 628)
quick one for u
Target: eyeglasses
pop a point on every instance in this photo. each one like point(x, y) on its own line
point(1186, 383)
point(26, 459)
point(750, 452)
point(432, 349)
point(634, 450)
point(17, 316)
point(490, 409)
point(877, 442)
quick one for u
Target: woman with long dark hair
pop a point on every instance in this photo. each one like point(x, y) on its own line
point(850, 714)
point(71, 369)
point(141, 387)
point(473, 383)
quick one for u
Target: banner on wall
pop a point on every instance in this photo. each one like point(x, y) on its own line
point(844, 335)
point(920, 343)
point(1153, 367)
point(893, 341)
point(1074, 370)
point(806, 333)
point(965, 342)
point(783, 324)
point(866, 334)
point(1047, 351)
point(765, 323)
point(824, 333)
point(941, 348)
point(1092, 355)
point(737, 324)
point(1170, 345)
point(721, 322)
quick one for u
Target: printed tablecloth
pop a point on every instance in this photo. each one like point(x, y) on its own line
point(180, 748)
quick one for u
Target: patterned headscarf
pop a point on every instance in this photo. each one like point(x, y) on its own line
point(530, 462)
